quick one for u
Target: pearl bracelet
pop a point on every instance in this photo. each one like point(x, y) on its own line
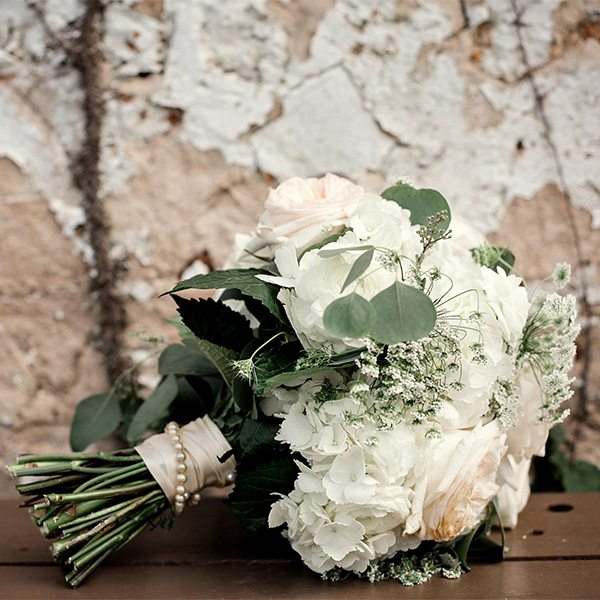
point(182, 494)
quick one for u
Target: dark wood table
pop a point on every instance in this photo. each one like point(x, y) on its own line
point(554, 553)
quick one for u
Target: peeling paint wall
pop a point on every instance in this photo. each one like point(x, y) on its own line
point(206, 104)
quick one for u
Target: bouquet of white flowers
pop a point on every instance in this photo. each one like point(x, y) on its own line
point(373, 371)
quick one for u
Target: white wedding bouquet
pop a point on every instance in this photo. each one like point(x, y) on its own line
point(380, 379)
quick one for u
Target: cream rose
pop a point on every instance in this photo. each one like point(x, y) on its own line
point(306, 211)
point(528, 436)
point(513, 479)
point(458, 479)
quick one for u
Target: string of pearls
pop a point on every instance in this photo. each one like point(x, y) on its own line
point(182, 494)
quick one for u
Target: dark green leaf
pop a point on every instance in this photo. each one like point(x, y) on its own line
point(178, 359)
point(349, 317)
point(221, 358)
point(255, 485)
point(255, 436)
point(95, 418)
point(403, 313)
point(154, 408)
point(214, 322)
point(359, 267)
point(240, 279)
point(422, 203)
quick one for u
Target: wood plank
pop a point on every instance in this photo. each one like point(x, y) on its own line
point(556, 526)
point(542, 580)
point(212, 531)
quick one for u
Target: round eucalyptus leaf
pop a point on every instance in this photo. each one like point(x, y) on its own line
point(421, 203)
point(349, 317)
point(403, 313)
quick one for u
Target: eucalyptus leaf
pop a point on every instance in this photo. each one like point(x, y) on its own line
point(343, 359)
point(337, 251)
point(349, 317)
point(403, 313)
point(422, 203)
point(361, 264)
point(328, 240)
point(95, 418)
point(155, 407)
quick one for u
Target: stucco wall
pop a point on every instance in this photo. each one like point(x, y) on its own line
point(137, 137)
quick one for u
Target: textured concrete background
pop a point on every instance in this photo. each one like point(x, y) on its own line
point(137, 136)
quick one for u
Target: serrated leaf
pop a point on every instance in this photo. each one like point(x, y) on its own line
point(178, 359)
point(221, 358)
point(422, 203)
point(349, 317)
point(154, 408)
point(252, 496)
point(95, 418)
point(214, 322)
point(337, 251)
point(361, 264)
point(403, 313)
point(239, 279)
point(255, 436)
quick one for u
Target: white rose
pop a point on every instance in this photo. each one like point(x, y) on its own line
point(513, 479)
point(306, 211)
point(508, 301)
point(528, 436)
point(458, 479)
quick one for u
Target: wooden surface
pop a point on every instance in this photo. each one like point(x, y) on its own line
point(554, 553)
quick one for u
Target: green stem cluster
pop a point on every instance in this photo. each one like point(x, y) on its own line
point(89, 504)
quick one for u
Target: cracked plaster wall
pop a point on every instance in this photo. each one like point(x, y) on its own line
point(493, 102)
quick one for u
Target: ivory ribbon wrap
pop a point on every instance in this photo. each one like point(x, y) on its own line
point(203, 444)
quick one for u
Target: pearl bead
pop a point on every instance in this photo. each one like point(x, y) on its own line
point(179, 506)
point(180, 490)
point(178, 446)
point(180, 456)
point(181, 477)
point(186, 495)
point(196, 497)
point(181, 468)
point(230, 477)
point(179, 499)
point(175, 438)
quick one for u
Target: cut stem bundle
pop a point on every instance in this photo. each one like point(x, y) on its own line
point(89, 504)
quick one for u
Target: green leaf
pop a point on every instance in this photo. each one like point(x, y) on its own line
point(255, 436)
point(349, 317)
point(154, 408)
point(178, 359)
point(359, 267)
point(403, 313)
point(343, 359)
point(337, 251)
point(221, 358)
point(239, 279)
point(334, 237)
point(95, 418)
point(214, 322)
point(421, 203)
point(255, 485)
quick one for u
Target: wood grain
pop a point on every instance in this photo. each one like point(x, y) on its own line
point(554, 553)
